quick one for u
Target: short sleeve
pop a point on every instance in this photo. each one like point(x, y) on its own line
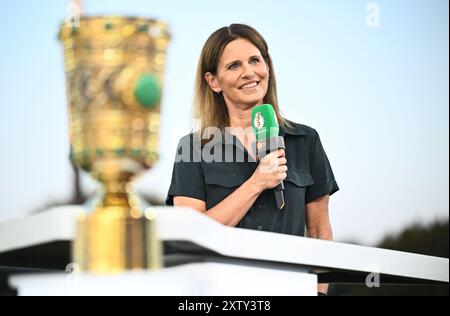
point(324, 182)
point(187, 175)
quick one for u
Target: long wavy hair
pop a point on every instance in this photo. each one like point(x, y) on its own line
point(209, 107)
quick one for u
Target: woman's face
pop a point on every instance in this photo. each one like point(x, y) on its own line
point(242, 75)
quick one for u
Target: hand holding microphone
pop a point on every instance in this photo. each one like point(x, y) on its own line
point(271, 171)
point(269, 147)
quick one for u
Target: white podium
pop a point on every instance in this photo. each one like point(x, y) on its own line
point(191, 279)
point(202, 257)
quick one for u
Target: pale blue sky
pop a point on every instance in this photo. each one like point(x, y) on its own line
point(377, 96)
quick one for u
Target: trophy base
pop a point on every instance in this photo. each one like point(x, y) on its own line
point(114, 239)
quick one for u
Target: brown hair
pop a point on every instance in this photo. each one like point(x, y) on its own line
point(210, 107)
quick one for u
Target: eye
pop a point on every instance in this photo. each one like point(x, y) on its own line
point(254, 60)
point(233, 66)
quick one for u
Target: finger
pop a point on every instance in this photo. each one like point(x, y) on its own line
point(283, 169)
point(281, 153)
point(282, 161)
point(270, 156)
point(283, 176)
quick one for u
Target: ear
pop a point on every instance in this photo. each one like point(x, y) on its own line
point(213, 82)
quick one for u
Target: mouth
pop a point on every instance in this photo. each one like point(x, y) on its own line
point(249, 85)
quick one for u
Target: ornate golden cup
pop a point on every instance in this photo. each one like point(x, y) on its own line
point(114, 70)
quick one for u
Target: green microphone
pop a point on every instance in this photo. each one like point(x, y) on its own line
point(266, 129)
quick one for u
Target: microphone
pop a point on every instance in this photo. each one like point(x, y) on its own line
point(266, 129)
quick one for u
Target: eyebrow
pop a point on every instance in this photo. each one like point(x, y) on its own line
point(238, 61)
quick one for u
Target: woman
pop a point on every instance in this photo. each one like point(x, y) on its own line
point(235, 73)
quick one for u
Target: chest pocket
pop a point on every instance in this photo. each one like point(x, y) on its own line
point(220, 185)
point(295, 188)
point(299, 178)
point(228, 180)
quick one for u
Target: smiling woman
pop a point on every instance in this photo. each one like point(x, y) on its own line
point(235, 74)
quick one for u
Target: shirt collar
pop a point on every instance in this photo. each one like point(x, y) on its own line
point(225, 138)
point(294, 129)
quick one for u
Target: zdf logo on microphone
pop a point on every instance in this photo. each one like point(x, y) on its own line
point(258, 122)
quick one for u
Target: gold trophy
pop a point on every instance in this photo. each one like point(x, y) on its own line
point(114, 70)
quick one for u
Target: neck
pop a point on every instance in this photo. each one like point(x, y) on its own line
point(241, 127)
point(240, 118)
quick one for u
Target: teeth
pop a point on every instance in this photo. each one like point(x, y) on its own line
point(250, 85)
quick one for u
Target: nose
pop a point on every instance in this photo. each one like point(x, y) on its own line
point(247, 71)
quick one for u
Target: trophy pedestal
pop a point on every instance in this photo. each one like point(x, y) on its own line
point(192, 279)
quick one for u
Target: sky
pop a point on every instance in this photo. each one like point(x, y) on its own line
point(370, 76)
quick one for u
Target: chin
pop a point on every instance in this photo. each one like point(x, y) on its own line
point(253, 99)
point(250, 103)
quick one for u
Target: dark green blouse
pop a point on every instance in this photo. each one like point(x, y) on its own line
point(309, 177)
